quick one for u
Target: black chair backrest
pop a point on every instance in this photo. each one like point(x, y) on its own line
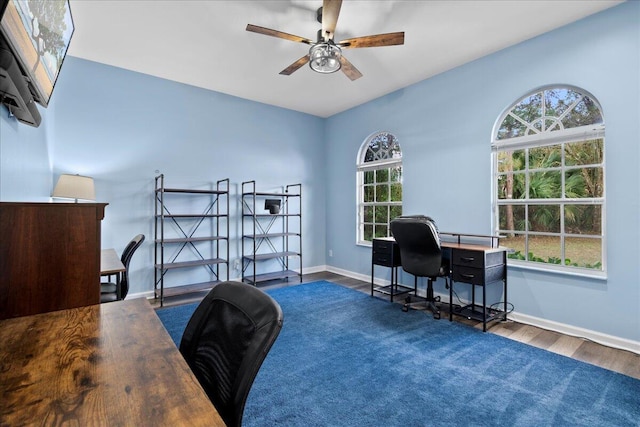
point(127, 254)
point(419, 243)
point(226, 341)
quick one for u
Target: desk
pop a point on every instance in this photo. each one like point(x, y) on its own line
point(110, 264)
point(473, 264)
point(104, 364)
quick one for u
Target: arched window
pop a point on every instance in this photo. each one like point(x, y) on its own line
point(549, 187)
point(379, 179)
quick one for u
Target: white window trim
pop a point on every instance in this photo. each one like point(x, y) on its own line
point(361, 168)
point(546, 138)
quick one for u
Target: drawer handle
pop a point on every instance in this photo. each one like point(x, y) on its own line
point(468, 276)
point(467, 259)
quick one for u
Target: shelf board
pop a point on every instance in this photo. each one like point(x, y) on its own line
point(269, 235)
point(265, 215)
point(263, 194)
point(187, 289)
point(193, 239)
point(270, 276)
point(186, 191)
point(259, 257)
point(192, 216)
point(183, 264)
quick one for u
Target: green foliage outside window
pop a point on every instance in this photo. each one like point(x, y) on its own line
point(549, 196)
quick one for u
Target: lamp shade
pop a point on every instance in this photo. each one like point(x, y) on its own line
point(75, 187)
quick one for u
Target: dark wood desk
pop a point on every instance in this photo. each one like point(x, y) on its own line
point(473, 264)
point(105, 364)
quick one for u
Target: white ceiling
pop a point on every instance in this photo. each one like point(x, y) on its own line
point(204, 43)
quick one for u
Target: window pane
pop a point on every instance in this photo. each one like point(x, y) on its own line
point(544, 218)
point(511, 128)
point(396, 192)
point(382, 214)
point(396, 174)
point(583, 219)
point(368, 177)
point(382, 175)
point(368, 232)
point(381, 230)
point(369, 194)
point(545, 157)
point(585, 182)
point(584, 152)
point(583, 252)
point(368, 213)
point(530, 108)
point(509, 161)
point(512, 218)
point(382, 193)
point(544, 249)
point(585, 113)
point(545, 185)
point(517, 244)
point(395, 211)
point(511, 186)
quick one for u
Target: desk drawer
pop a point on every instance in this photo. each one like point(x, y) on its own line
point(386, 253)
point(478, 276)
point(476, 259)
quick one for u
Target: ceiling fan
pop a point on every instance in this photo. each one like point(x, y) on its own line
point(325, 55)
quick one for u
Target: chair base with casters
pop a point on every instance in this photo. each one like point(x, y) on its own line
point(429, 301)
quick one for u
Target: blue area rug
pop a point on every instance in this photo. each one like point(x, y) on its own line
point(344, 358)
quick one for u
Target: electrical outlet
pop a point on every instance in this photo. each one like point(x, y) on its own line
point(330, 252)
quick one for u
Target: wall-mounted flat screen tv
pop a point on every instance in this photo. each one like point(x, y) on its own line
point(38, 33)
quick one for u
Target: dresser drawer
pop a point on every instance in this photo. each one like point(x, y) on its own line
point(478, 276)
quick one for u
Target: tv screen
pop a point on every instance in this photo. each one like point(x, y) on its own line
point(38, 33)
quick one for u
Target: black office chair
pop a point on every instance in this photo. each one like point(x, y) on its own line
point(421, 255)
point(226, 341)
point(109, 291)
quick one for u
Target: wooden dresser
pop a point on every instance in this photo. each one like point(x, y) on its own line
point(49, 256)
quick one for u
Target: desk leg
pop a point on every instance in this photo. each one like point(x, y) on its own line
point(484, 308)
point(372, 267)
point(505, 286)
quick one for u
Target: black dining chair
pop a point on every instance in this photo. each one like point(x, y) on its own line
point(226, 340)
point(110, 291)
point(421, 255)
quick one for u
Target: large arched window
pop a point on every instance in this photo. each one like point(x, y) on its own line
point(379, 181)
point(549, 186)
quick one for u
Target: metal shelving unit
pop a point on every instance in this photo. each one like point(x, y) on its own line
point(194, 239)
point(275, 237)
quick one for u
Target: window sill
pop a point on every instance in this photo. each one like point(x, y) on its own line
point(550, 268)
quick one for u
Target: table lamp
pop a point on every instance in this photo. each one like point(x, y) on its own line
point(75, 187)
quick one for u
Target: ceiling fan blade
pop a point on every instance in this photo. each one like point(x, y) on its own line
point(295, 66)
point(330, 12)
point(276, 33)
point(389, 39)
point(348, 68)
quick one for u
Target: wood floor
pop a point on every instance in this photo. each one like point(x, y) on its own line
point(621, 361)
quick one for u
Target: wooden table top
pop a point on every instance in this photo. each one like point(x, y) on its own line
point(107, 364)
point(110, 263)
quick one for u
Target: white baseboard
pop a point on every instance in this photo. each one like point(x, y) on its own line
point(575, 331)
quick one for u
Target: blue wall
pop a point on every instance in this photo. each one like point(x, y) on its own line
point(444, 126)
point(120, 127)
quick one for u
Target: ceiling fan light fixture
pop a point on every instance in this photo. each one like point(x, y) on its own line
point(325, 58)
